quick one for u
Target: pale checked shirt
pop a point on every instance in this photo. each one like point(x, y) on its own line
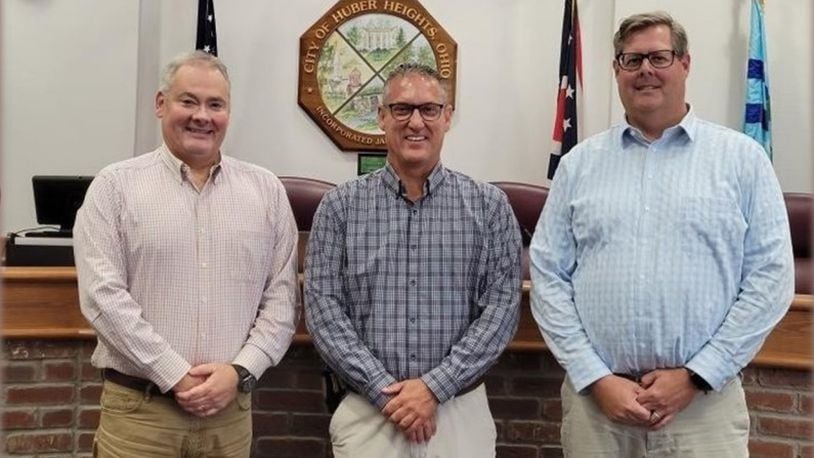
point(170, 277)
point(396, 290)
point(661, 254)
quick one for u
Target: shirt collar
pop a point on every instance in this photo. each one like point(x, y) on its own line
point(433, 182)
point(179, 169)
point(685, 129)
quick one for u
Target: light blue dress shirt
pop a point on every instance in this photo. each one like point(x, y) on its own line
point(661, 254)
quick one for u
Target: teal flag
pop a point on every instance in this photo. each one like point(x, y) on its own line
point(758, 114)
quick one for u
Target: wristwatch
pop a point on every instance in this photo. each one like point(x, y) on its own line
point(245, 380)
point(699, 381)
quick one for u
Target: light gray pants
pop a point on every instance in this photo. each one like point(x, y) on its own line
point(465, 429)
point(714, 425)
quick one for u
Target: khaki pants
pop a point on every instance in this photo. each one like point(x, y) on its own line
point(133, 425)
point(465, 429)
point(714, 425)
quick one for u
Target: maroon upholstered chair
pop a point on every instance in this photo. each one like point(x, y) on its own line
point(304, 195)
point(799, 207)
point(527, 201)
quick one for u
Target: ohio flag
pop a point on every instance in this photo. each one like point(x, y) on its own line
point(757, 121)
point(565, 121)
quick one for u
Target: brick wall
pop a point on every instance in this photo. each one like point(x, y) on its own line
point(50, 405)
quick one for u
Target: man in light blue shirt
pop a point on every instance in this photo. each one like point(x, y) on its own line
point(661, 262)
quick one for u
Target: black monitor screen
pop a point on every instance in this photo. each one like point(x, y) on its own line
point(57, 198)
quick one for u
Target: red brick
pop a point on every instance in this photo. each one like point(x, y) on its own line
point(309, 380)
point(84, 442)
point(796, 428)
point(90, 394)
point(38, 443)
point(277, 378)
point(533, 431)
point(552, 410)
point(514, 409)
point(518, 363)
point(495, 385)
point(807, 451)
point(88, 373)
point(784, 378)
point(269, 424)
point(310, 425)
point(57, 418)
point(89, 418)
point(516, 451)
point(290, 401)
point(536, 386)
point(749, 377)
point(19, 372)
point(44, 395)
point(289, 448)
point(770, 449)
point(59, 371)
point(768, 401)
point(18, 419)
point(807, 404)
point(551, 452)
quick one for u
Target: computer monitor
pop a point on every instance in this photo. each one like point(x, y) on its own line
point(57, 198)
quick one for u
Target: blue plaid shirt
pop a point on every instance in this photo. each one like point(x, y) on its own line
point(397, 290)
point(661, 254)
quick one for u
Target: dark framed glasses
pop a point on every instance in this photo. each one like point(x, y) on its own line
point(632, 61)
point(428, 111)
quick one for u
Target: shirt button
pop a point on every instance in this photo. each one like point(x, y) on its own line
point(204, 265)
point(203, 299)
point(647, 208)
point(203, 231)
point(641, 276)
point(413, 246)
point(415, 212)
point(412, 356)
point(412, 320)
point(412, 282)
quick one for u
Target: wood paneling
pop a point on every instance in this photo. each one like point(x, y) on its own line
point(42, 303)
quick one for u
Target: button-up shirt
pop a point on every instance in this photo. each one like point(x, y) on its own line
point(661, 254)
point(397, 290)
point(170, 277)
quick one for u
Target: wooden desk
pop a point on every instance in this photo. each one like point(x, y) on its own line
point(43, 303)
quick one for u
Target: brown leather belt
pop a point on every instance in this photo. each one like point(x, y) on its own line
point(134, 383)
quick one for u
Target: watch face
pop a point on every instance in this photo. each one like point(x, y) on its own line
point(247, 383)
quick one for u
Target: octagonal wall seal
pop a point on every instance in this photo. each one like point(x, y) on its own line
point(347, 54)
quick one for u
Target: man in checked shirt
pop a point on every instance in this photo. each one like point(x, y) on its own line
point(412, 286)
point(187, 271)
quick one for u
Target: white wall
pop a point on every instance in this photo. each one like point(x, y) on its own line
point(78, 79)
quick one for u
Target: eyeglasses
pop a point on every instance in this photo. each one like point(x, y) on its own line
point(428, 111)
point(632, 61)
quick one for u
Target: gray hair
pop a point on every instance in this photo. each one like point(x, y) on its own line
point(414, 68)
point(637, 22)
point(196, 57)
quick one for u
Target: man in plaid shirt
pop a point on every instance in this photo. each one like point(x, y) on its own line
point(412, 287)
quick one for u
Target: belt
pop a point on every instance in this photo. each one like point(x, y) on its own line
point(461, 392)
point(134, 383)
point(632, 377)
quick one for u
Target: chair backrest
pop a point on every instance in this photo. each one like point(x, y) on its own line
point(800, 207)
point(305, 194)
point(527, 201)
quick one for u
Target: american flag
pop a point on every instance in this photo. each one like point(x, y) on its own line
point(207, 39)
point(565, 122)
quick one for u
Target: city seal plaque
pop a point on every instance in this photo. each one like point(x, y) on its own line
point(347, 54)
